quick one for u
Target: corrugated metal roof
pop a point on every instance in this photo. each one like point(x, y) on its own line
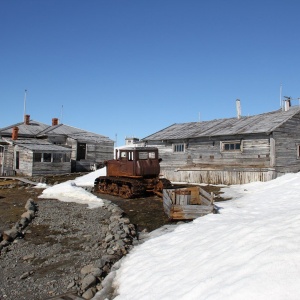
point(263, 123)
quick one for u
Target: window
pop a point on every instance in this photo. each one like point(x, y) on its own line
point(152, 155)
point(298, 151)
point(146, 155)
point(46, 157)
point(37, 157)
point(178, 147)
point(123, 155)
point(231, 146)
point(59, 157)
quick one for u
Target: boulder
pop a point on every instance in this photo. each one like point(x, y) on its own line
point(11, 234)
point(30, 205)
point(88, 281)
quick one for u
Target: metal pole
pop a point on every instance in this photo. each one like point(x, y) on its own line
point(25, 103)
point(280, 97)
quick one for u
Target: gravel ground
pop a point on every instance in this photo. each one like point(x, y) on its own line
point(64, 238)
point(67, 248)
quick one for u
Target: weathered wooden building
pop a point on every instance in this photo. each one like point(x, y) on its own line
point(33, 148)
point(231, 151)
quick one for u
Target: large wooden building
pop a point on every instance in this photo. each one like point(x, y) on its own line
point(231, 151)
point(32, 148)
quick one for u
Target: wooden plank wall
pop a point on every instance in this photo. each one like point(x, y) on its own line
point(287, 137)
point(256, 152)
point(29, 168)
point(8, 166)
point(25, 161)
point(96, 152)
point(204, 162)
point(100, 152)
point(218, 176)
point(51, 168)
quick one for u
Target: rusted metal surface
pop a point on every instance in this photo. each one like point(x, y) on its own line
point(134, 172)
point(187, 203)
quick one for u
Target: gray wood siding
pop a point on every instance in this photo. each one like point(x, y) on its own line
point(95, 153)
point(48, 168)
point(230, 176)
point(256, 152)
point(25, 161)
point(8, 163)
point(287, 137)
point(100, 152)
point(204, 160)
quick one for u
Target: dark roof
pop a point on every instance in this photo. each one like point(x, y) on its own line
point(263, 123)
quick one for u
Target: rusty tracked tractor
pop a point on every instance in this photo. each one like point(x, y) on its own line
point(133, 173)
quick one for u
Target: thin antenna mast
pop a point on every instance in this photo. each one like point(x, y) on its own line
point(24, 104)
point(280, 95)
point(61, 114)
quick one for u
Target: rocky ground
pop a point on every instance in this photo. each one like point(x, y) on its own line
point(66, 248)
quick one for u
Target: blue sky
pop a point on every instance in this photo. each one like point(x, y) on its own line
point(134, 67)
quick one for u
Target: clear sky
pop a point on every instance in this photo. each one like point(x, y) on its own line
point(134, 67)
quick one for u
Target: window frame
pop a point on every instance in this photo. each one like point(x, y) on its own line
point(298, 151)
point(232, 146)
point(179, 147)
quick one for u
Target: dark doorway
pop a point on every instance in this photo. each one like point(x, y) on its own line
point(81, 151)
point(17, 160)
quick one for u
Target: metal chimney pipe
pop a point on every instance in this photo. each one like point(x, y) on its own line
point(238, 108)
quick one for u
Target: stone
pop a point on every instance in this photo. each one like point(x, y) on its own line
point(29, 215)
point(109, 238)
point(29, 256)
point(24, 275)
point(86, 269)
point(71, 284)
point(30, 205)
point(96, 272)
point(88, 281)
point(23, 222)
point(11, 234)
point(89, 294)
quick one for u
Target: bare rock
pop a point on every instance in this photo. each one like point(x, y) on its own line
point(89, 294)
point(11, 234)
point(88, 281)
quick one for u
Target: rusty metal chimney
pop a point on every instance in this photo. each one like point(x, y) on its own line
point(26, 119)
point(15, 132)
point(238, 108)
point(54, 121)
